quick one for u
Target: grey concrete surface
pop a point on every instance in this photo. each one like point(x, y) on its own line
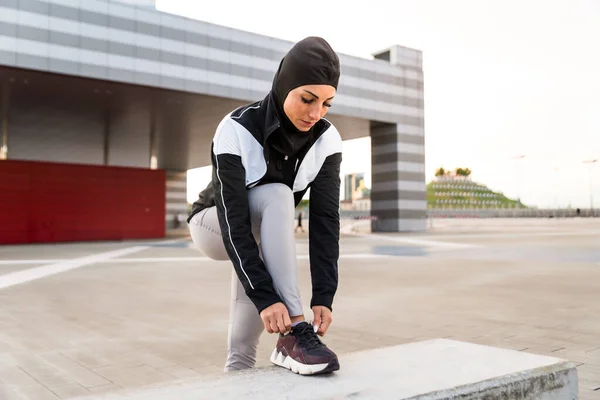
point(160, 314)
point(421, 370)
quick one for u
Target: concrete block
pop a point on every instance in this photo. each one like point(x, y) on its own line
point(433, 370)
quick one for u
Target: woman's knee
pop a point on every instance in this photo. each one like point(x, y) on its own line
point(214, 253)
point(206, 235)
point(280, 190)
point(276, 197)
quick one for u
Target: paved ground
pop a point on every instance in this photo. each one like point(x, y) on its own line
point(118, 315)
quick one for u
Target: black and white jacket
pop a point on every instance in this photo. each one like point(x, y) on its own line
point(241, 154)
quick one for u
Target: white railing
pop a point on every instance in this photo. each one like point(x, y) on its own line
point(488, 213)
point(511, 213)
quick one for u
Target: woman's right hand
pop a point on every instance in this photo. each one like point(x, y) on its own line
point(276, 318)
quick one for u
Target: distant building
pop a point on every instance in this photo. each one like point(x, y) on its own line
point(356, 195)
point(354, 186)
point(459, 191)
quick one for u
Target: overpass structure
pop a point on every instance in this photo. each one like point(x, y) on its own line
point(117, 86)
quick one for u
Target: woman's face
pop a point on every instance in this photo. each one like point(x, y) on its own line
point(305, 105)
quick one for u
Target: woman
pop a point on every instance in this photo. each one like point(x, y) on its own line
point(265, 156)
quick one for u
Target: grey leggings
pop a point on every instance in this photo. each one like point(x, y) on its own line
point(272, 216)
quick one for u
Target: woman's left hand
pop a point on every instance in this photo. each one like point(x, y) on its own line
point(322, 319)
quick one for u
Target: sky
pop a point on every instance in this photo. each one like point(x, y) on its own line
point(502, 79)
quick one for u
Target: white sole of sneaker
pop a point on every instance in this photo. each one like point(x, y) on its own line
point(279, 359)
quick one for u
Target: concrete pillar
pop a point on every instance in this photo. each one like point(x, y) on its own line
point(4, 104)
point(398, 194)
point(128, 133)
point(172, 127)
point(176, 199)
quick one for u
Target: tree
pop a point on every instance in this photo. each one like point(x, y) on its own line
point(440, 172)
point(463, 171)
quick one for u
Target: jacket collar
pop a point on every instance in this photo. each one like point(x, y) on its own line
point(270, 118)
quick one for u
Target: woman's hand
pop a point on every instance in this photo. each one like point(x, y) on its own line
point(276, 318)
point(322, 319)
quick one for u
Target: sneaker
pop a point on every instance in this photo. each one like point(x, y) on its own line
point(302, 352)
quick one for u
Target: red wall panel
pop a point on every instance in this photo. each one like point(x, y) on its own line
point(50, 202)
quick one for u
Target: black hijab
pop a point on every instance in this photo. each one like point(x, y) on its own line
point(311, 61)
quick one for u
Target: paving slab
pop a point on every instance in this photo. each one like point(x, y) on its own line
point(437, 369)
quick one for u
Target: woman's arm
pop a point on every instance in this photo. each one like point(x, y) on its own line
point(231, 197)
point(324, 231)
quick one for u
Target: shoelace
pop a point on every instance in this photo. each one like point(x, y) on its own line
point(308, 337)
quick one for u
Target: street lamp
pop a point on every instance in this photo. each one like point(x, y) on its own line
point(556, 169)
point(591, 162)
point(518, 158)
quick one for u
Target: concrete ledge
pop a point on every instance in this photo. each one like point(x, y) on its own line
point(433, 370)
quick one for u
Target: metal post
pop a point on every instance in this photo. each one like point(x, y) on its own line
point(591, 162)
point(4, 118)
point(153, 155)
point(556, 189)
point(591, 192)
